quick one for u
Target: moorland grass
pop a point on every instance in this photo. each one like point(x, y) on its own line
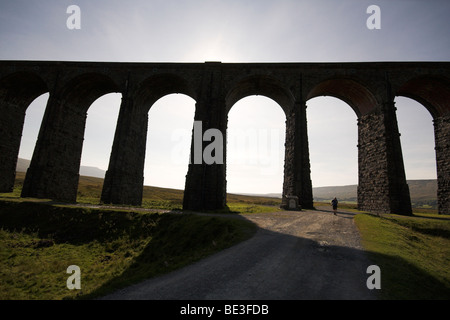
point(413, 254)
point(117, 247)
point(90, 188)
point(113, 248)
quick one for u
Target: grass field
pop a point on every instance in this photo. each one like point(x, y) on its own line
point(413, 254)
point(90, 188)
point(114, 248)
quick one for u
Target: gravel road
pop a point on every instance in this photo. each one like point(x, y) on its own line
point(293, 255)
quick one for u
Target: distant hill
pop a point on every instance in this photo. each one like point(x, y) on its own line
point(418, 189)
point(345, 193)
point(422, 192)
point(23, 164)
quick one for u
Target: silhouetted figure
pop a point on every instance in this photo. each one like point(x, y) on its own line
point(334, 203)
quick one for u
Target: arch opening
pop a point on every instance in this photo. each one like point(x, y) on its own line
point(333, 139)
point(433, 93)
point(101, 119)
point(255, 147)
point(33, 120)
point(169, 134)
point(417, 142)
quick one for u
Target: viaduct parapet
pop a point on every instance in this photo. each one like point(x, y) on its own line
point(368, 88)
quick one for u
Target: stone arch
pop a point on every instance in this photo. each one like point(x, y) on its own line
point(432, 92)
point(125, 176)
point(356, 95)
point(260, 85)
point(54, 167)
point(21, 88)
point(84, 89)
point(17, 92)
point(155, 87)
point(295, 167)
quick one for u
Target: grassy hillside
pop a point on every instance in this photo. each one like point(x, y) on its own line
point(117, 247)
point(23, 164)
point(344, 193)
point(113, 248)
point(413, 254)
point(90, 189)
point(423, 193)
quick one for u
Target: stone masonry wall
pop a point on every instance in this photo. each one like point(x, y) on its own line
point(382, 184)
point(11, 124)
point(124, 178)
point(442, 138)
point(297, 170)
point(372, 169)
point(205, 187)
point(73, 86)
point(54, 169)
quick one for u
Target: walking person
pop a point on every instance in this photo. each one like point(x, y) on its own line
point(334, 203)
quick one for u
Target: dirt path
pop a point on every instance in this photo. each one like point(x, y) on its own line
point(294, 255)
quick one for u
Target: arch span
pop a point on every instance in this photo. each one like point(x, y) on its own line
point(57, 155)
point(156, 87)
point(368, 87)
point(260, 85)
point(84, 89)
point(356, 95)
point(21, 88)
point(432, 92)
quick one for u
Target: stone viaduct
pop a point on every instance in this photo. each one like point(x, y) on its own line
point(368, 88)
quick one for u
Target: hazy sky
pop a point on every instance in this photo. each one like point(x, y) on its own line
point(235, 31)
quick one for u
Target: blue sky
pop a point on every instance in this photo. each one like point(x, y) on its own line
point(235, 31)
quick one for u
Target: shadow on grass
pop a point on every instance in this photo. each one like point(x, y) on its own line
point(173, 240)
point(400, 280)
point(181, 239)
point(178, 242)
point(74, 225)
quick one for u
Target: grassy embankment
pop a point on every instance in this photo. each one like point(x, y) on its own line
point(413, 254)
point(114, 248)
point(89, 191)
